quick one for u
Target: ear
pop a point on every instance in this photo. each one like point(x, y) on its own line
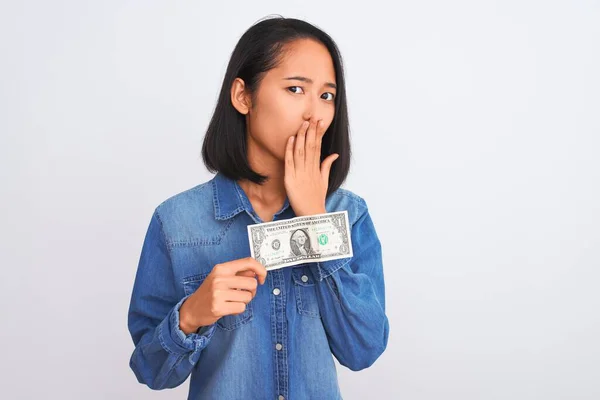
point(239, 96)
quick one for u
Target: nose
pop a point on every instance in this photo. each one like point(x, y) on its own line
point(315, 108)
point(311, 119)
point(312, 115)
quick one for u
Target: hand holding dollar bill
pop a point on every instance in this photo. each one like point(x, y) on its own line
point(294, 241)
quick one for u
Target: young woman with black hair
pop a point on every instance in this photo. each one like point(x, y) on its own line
point(279, 144)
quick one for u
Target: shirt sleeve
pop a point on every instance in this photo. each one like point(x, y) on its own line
point(164, 355)
point(351, 296)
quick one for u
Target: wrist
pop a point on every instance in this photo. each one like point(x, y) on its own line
point(185, 323)
point(312, 212)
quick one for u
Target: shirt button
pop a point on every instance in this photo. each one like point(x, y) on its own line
point(304, 278)
point(281, 397)
point(276, 291)
point(278, 346)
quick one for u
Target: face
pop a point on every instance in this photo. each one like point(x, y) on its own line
point(299, 237)
point(299, 89)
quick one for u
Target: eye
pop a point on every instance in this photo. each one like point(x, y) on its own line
point(294, 87)
point(332, 96)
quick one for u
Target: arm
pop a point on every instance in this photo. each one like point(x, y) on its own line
point(351, 296)
point(164, 355)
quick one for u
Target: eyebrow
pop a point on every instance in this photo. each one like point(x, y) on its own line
point(308, 80)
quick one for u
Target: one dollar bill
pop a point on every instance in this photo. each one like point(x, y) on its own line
point(312, 238)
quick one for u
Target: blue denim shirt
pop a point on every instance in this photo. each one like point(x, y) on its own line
point(282, 346)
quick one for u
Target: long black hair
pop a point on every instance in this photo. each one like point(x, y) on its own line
point(258, 50)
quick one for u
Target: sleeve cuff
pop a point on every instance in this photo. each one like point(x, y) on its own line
point(175, 341)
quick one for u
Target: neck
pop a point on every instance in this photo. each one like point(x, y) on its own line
point(272, 193)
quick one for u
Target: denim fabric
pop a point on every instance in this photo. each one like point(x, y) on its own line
point(282, 346)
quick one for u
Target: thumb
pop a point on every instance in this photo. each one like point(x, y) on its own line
point(326, 165)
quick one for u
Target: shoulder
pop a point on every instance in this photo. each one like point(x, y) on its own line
point(193, 199)
point(180, 213)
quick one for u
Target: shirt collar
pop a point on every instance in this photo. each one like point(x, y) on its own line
point(230, 199)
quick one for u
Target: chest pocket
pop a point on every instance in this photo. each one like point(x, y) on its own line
point(305, 291)
point(227, 322)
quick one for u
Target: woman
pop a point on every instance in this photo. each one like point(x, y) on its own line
point(200, 305)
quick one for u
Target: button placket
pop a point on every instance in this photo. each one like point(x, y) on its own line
point(278, 302)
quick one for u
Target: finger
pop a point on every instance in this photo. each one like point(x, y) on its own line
point(289, 157)
point(248, 263)
point(237, 295)
point(248, 273)
point(299, 147)
point(322, 129)
point(236, 282)
point(232, 308)
point(310, 146)
point(319, 141)
point(242, 283)
point(326, 167)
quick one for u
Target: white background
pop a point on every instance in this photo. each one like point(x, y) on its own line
point(475, 127)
